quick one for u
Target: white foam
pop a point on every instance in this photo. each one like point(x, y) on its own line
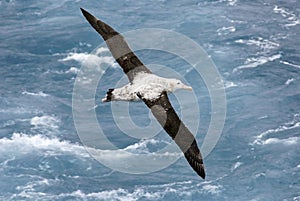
point(115, 194)
point(19, 110)
point(276, 130)
point(141, 146)
point(290, 64)
point(45, 121)
point(262, 43)
point(297, 198)
point(263, 139)
point(229, 2)
point(150, 192)
point(229, 84)
point(236, 165)
point(141, 192)
point(40, 93)
point(73, 70)
point(20, 144)
point(91, 60)
point(101, 50)
point(226, 30)
point(289, 81)
point(119, 194)
point(85, 44)
point(30, 187)
point(292, 18)
point(257, 61)
point(88, 59)
point(263, 117)
point(287, 141)
point(232, 2)
point(212, 189)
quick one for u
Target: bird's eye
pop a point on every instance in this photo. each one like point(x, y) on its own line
point(178, 82)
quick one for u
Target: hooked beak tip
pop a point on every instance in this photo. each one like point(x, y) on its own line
point(188, 88)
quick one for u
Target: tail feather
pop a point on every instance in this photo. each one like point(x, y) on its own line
point(109, 96)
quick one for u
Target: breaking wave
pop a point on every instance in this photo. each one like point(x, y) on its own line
point(268, 137)
point(183, 190)
point(21, 144)
point(91, 60)
point(40, 93)
point(257, 61)
point(290, 18)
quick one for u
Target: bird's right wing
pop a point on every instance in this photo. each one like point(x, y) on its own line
point(165, 114)
point(119, 48)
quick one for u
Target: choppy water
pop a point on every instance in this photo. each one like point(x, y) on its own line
point(255, 46)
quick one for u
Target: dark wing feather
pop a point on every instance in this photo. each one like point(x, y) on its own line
point(120, 50)
point(163, 111)
point(161, 107)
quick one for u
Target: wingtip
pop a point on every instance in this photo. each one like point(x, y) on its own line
point(82, 10)
point(199, 169)
point(85, 13)
point(201, 172)
point(196, 162)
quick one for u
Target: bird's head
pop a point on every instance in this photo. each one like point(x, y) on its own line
point(177, 84)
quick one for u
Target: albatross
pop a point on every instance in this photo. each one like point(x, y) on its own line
point(151, 89)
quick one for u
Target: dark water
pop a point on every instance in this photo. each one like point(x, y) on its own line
point(255, 46)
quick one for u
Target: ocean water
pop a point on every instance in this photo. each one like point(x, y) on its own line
point(255, 46)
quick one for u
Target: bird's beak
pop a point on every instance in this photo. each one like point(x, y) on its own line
point(187, 87)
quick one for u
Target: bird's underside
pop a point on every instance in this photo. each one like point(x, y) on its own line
point(160, 106)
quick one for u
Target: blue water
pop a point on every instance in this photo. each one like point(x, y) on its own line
point(256, 48)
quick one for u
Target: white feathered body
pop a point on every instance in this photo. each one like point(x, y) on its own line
point(149, 86)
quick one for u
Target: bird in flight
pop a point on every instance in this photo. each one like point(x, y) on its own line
point(151, 89)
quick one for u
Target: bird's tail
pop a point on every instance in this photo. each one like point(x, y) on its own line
point(109, 96)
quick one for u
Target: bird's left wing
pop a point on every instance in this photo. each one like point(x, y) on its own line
point(163, 111)
point(117, 45)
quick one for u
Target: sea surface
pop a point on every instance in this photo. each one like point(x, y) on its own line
point(255, 46)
